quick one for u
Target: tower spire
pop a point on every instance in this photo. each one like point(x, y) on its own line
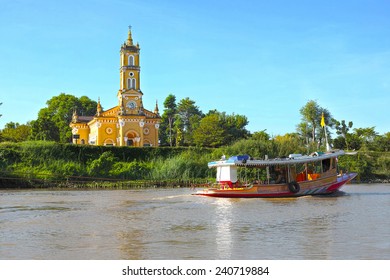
point(129, 38)
point(156, 109)
point(99, 108)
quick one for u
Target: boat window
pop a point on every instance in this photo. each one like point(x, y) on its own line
point(326, 165)
point(252, 175)
point(301, 169)
point(317, 167)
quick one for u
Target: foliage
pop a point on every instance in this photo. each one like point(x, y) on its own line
point(290, 143)
point(190, 164)
point(188, 115)
point(210, 132)
point(311, 115)
point(234, 127)
point(342, 129)
point(50, 160)
point(134, 170)
point(167, 134)
point(16, 132)
point(102, 165)
point(53, 121)
point(261, 135)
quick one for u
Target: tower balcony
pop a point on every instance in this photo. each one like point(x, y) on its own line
point(130, 67)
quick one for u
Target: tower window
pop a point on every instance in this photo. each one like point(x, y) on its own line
point(131, 60)
point(131, 83)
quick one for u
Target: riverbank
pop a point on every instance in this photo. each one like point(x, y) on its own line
point(40, 164)
point(97, 183)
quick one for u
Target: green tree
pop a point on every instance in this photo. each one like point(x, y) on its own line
point(210, 132)
point(342, 129)
point(383, 142)
point(261, 135)
point(311, 114)
point(305, 132)
point(53, 121)
point(15, 132)
point(167, 135)
point(368, 134)
point(290, 143)
point(188, 116)
point(234, 126)
point(44, 128)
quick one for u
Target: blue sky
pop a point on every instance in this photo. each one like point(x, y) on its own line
point(262, 59)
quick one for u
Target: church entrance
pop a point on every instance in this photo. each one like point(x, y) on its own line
point(132, 138)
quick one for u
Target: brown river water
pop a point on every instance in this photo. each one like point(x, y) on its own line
point(173, 224)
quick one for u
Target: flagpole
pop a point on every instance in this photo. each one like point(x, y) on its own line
point(326, 140)
point(326, 135)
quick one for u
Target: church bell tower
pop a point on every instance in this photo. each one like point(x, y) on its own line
point(130, 94)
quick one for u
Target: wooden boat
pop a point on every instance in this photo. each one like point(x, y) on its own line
point(293, 176)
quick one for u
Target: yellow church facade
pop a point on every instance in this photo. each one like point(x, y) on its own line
point(128, 123)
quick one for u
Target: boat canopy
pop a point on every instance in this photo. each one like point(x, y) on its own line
point(292, 159)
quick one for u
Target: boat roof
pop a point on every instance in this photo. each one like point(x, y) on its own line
point(292, 159)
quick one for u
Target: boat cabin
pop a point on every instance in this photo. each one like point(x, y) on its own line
point(243, 170)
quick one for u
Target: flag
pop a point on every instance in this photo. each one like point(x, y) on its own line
point(322, 120)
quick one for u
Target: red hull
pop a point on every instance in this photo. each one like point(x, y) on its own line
point(319, 190)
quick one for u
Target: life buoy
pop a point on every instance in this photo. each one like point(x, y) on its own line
point(294, 187)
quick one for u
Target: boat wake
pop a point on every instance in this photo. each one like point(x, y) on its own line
point(337, 193)
point(171, 196)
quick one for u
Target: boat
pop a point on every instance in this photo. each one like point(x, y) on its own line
point(292, 176)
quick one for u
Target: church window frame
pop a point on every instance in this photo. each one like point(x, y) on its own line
point(131, 83)
point(130, 60)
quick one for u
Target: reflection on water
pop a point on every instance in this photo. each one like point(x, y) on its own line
point(223, 220)
point(173, 224)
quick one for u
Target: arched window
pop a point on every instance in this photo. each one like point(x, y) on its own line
point(131, 83)
point(131, 60)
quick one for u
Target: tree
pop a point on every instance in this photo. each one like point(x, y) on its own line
point(367, 136)
point(53, 120)
point(342, 130)
point(289, 143)
point(16, 132)
point(1, 135)
point(383, 142)
point(234, 126)
point(188, 116)
point(305, 132)
point(261, 135)
point(167, 120)
point(210, 132)
point(311, 114)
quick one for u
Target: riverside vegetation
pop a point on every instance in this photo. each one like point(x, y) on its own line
point(188, 138)
point(50, 164)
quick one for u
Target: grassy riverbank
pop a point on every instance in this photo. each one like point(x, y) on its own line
point(49, 164)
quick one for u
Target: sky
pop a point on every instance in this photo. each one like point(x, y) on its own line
point(258, 58)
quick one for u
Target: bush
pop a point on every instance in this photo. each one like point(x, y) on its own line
point(101, 167)
point(134, 170)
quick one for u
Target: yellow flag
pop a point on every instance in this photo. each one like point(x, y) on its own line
point(322, 120)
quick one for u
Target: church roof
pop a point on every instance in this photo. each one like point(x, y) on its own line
point(84, 119)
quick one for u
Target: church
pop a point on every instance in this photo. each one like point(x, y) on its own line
point(128, 123)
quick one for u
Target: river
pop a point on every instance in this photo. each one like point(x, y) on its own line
point(173, 224)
